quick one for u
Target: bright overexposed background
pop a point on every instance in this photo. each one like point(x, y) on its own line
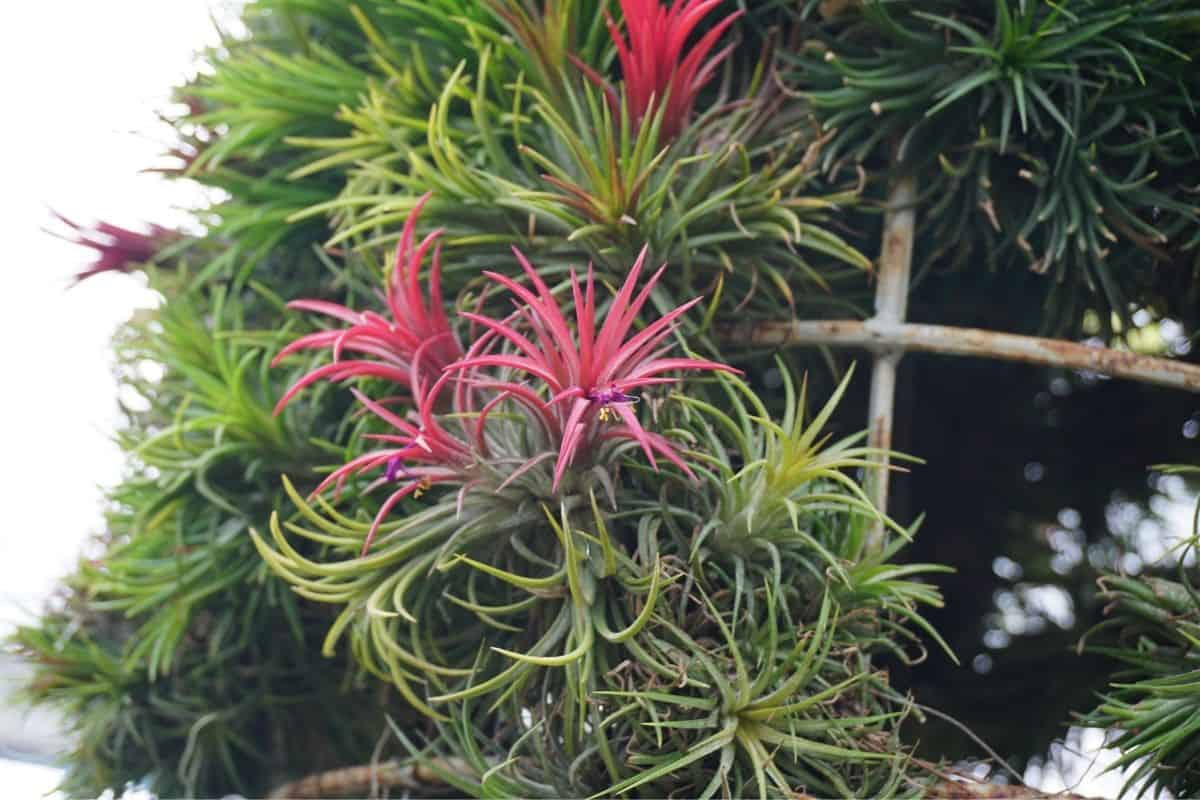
point(83, 83)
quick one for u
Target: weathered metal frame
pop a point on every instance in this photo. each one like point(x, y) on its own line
point(889, 337)
point(891, 307)
point(885, 337)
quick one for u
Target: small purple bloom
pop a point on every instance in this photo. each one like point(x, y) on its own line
point(607, 398)
point(395, 469)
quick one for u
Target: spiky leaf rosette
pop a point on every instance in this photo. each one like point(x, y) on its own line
point(496, 441)
point(554, 614)
point(1154, 698)
point(585, 167)
point(1061, 139)
point(678, 672)
point(780, 493)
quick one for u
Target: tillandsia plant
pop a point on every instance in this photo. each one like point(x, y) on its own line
point(655, 71)
point(437, 444)
point(416, 344)
point(558, 551)
point(585, 167)
point(587, 374)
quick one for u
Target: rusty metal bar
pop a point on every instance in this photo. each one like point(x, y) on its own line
point(878, 336)
point(891, 305)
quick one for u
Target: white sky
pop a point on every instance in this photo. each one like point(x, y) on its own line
point(81, 82)
point(78, 78)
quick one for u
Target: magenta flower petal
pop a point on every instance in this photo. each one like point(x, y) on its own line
point(636, 431)
point(589, 376)
point(653, 66)
point(421, 453)
point(342, 371)
point(416, 343)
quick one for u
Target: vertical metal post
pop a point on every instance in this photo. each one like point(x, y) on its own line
point(891, 305)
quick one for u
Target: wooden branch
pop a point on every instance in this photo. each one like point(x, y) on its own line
point(967, 789)
point(367, 779)
point(891, 305)
point(878, 336)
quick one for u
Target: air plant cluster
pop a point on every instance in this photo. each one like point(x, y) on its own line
point(584, 375)
point(445, 458)
point(585, 166)
point(539, 578)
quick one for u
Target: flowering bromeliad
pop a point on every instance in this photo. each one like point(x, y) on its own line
point(652, 62)
point(391, 346)
point(117, 249)
point(421, 453)
point(589, 376)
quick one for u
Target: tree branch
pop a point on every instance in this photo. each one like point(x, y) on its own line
point(368, 779)
point(879, 336)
